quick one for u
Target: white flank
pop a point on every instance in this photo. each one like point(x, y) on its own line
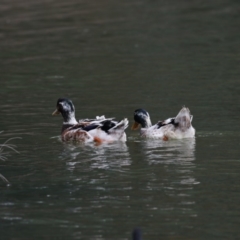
point(182, 129)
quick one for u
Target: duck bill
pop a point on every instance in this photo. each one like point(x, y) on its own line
point(135, 126)
point(56, 112)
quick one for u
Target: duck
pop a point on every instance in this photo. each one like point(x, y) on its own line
point(178, 127)
point(99, 129)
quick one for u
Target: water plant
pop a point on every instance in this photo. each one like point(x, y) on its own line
point(4, 153)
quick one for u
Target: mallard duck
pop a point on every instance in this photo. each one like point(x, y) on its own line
point(171, 128)
point(99, 130)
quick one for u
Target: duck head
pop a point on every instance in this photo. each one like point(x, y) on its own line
point(66, 108)
point(141, 117)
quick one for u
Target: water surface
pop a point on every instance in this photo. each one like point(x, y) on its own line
point(111, 58)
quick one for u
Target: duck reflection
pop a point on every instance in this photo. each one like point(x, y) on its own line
point(180, 152)
point(175, 173)
point(105, 156)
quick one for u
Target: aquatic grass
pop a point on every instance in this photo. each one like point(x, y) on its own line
point(4, 179)
point(3, 154)
point(9, 146)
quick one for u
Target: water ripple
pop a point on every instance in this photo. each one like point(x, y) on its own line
point(107, 156)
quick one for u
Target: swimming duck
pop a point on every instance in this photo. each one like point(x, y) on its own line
point(171, 128)
point(99, 130)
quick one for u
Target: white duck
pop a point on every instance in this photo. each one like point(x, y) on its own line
point(171, 128)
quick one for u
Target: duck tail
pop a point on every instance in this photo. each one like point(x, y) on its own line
point(121, 126)
point(183, 119)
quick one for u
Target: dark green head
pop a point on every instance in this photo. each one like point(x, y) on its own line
point(66, 108)
point(141, 117)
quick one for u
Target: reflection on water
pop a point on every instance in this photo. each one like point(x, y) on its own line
point(90, 156)
point(111, 57)
point(179, 152)
point(178, 177)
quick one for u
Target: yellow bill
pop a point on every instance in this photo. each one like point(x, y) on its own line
point(56, 112)
point(135, 126)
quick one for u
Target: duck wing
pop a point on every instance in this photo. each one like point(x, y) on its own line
point(169, 121)
point(96, 120)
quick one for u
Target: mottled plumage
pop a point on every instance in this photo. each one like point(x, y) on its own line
point(171, 128)
point(99, 130)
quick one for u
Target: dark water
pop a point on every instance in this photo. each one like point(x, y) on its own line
point(111, 57)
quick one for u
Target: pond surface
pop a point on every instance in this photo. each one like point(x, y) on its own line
point(112, 57)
